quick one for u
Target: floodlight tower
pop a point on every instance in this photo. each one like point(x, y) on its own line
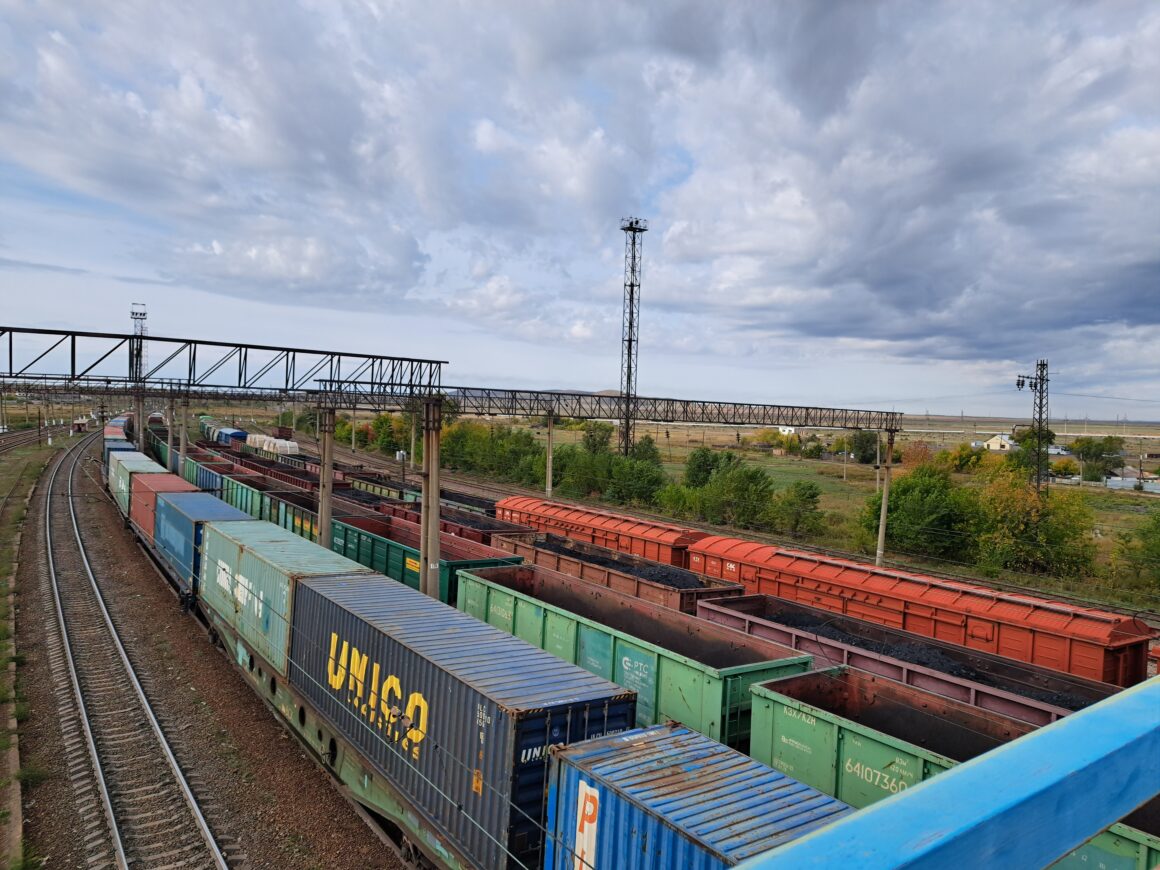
point(634, 229)
point(1037, 383)
point(137, 367)
point(137, 360)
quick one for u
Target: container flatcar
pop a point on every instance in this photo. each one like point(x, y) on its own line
point(445, 710)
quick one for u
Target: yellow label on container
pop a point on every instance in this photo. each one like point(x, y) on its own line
point(477, 781)
point(413, 565)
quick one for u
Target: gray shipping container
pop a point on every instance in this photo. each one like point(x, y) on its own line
point(456, 715)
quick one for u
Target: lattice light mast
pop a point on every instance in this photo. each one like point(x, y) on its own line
point(1037, 383)
point(137, 368)
point(634, 229)
point(137, 353)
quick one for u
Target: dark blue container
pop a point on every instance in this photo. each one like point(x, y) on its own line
point(114, 445)
point(177, 531)
point(663, 797)
point(457, 716)
point(208, 480)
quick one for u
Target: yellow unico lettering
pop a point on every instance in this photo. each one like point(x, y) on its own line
point(358, 670)
point(370, 708)
point(417, 714)
point(391, 687)
point(336, 676)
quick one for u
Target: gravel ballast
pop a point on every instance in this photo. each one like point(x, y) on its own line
point(267, 800)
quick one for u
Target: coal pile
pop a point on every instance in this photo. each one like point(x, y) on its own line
point(927, 656)
point(667, 575)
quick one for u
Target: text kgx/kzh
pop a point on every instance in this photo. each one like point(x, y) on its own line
point(379, 700)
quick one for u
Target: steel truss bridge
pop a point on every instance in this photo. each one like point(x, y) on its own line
point(71, 362)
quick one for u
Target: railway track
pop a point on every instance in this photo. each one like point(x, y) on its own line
point(26, 437)
point(136, 806)
point(472, 486)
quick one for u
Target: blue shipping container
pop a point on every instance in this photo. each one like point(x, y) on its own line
point(666, 796)
point(177, 531)
point(455, 714)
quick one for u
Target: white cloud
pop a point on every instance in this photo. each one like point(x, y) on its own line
point(961, 184)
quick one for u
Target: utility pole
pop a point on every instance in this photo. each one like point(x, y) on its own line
point(170, 460)
point(634, 229)
point(880, 555)
point(548, 467)
point(877, 461)
point(325, 422)
point(429, 514)
point(183, 442)
point(1037, 383)
point(138, 314)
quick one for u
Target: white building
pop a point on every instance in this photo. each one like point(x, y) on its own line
point(1000, 444)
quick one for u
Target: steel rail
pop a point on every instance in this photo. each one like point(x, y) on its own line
point(99, 773)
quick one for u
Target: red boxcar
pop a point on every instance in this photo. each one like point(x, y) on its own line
point(1096, 644)
point(660, 542)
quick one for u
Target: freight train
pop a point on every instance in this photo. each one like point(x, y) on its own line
point(682, 668)
point(1087, 642)
point(452, 732)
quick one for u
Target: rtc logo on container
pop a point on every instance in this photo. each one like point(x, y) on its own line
point(587, 810)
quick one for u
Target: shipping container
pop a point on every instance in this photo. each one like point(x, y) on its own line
point(1095, 644)
point(574, 559)
point(178, 530)
point(122, 467)
point(206, 475)
point(661, 542)
point(144, 489)
point(1033, 694)
point(666, 797)
point(391, 547)
point(682, 668)
point(863, 738)
point(115, 445)
point(457, 716)
point(248, 573)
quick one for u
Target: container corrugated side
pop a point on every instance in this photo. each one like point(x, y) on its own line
point(682, 668)
point(114, 445)
point(177, 531)
point(668, 797)
point(248, 572)
point(116, 458)
point(453, 713)
point(123, 471)
point(143, 503)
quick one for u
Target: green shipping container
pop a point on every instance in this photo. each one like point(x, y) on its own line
point(682, 668)
point(122, 472)
point(248, 571)
point(799, 728)
point(399, 561)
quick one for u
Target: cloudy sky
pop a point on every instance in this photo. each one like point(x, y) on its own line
point(850, 204)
